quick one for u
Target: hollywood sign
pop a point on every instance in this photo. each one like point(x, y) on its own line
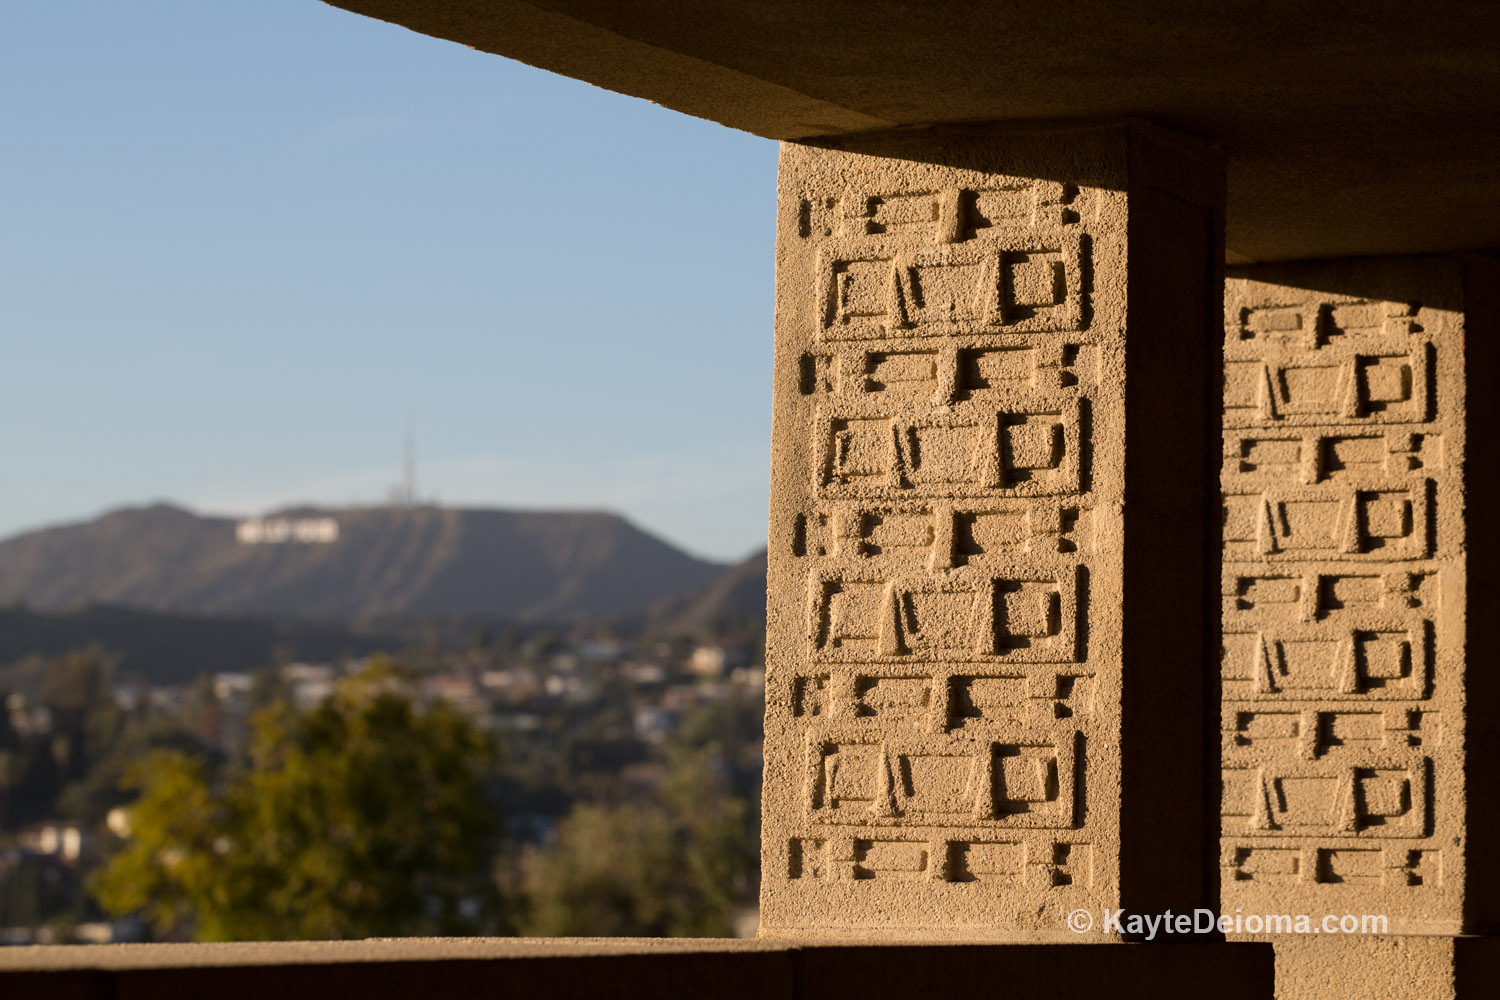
point(279, 530)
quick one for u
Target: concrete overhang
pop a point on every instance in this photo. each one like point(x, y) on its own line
point(1351, 128)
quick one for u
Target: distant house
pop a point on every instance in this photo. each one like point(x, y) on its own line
point(714, 660)
point(62, 841)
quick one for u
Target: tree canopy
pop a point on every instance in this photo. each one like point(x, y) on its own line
point(366, 816)
point(677, 868)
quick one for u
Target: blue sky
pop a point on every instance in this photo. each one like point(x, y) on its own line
point(240, 244)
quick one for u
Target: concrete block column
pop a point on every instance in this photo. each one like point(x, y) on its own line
point(994, 532)
point(1359, 692)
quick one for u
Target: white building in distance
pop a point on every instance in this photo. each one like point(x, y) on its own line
point(283, 530)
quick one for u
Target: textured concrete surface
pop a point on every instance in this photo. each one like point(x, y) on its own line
point(1349, 130)
point(1349, 762)
point(605, 968)
point(991, 488)
point(1344, 579)
point(1388, 968)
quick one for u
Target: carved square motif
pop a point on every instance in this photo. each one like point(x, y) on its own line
point(935, 618)
point(1385, 517)
point(1029, 616)
point(1026, 778)
point(1383, 794)
point(941, 452)
point(1031, 447)
point(1382, 657)
point(949, 289)
point(1026, 610)
point(1036, 280)
point(1014, 279)
point(848, 776)
point(1033, 442)
point(860, 449)
point(1336, 385)
point(1315, 389)
point(1304, 802)
point(857, 777)
point(860, 291)
point(1362, 793)
point(1332, 663)
point(849, 616)
point(930, 785)
point(1327, 521)
point(1385, 382)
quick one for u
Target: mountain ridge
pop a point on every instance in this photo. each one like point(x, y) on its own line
point(527, 566)
point(733, 603)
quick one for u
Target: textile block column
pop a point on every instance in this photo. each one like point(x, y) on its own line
point(994, 536)
point(1359, 619)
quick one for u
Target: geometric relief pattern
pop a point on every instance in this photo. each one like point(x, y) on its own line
point(1338, 671)
point(943, 697)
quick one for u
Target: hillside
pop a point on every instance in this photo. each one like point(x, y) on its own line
point(521, 566)
point(736, 601)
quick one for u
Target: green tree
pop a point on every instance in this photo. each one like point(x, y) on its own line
point(679, 868)
point(366, 816)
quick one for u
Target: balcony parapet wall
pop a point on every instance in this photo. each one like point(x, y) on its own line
point(600, 968)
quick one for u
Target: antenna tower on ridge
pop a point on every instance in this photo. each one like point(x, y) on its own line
point(404, 494)
point(409, 466)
